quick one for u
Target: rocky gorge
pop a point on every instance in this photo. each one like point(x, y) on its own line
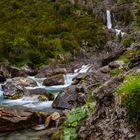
point(94, 96)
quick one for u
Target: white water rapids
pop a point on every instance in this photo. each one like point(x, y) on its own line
point(33, 101)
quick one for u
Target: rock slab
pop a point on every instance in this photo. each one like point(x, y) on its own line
point(16, 117)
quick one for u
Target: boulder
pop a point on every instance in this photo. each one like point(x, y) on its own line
point(15, 87)
point(47, 70)
point(42, 92)
point(70, 98)
point(16, 117)
point(54, 80)
point(13, 92)
point(117, 64)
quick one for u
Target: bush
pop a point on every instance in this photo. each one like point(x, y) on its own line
point(130, 94)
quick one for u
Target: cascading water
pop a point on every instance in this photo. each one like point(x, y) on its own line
point(109, 21)
point(33, 101)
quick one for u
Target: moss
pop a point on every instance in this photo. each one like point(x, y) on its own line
point(127, 55)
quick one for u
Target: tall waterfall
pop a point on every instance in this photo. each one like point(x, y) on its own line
point(109, 22)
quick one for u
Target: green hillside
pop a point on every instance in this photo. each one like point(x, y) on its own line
point(37, 30)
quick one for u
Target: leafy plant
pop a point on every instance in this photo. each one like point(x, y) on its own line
point(73, 119)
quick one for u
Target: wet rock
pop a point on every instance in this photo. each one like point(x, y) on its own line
point(16, 117)
point(69, 98)
point(43, 98)
point(14, 92)
point(36, 91)
point(54, 80)
point(15, 87)
point(42, 92)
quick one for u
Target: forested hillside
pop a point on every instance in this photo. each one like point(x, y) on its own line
point(37, 30)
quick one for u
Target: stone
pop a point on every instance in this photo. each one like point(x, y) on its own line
point(48, 70)
point(15, 87)
point(117, 64)
point(16, 118)
point(54, 80)
point(105, 69)
point(14, 92)
point(66, 99)
point(70, 97)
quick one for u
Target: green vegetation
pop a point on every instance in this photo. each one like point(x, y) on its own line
point(137, 137)
point(114, 71)
point(127, 42)
point(130, 94)
point(73, 119)
point(35, 31)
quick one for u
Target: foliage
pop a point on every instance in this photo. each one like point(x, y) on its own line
point(44, 29)
point(127, 42)
point(114, 71)
point(130, 94)
point(73, 119)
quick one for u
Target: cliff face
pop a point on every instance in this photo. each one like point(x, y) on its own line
point(122, 11)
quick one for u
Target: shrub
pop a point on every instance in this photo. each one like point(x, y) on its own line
point(130, 94)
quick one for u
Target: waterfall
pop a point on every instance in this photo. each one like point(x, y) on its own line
point(109, 22)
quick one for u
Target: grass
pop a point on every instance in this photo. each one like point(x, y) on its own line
point(130, 95)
